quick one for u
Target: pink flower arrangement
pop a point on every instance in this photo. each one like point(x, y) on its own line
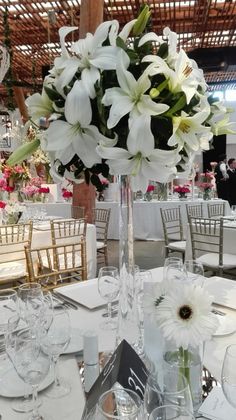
point(30, 190)
point(8, 189)
point(3, 184)
point(67, 194)
point(44, 190)
point(182, 190)
point(36, 181)
point(206, 181)
point(150, 188)
point(2, 204)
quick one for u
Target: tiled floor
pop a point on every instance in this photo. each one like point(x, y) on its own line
point(148, 254)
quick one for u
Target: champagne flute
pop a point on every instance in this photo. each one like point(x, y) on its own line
point(170, 412)
point(119, 404)
point(8, 307)
point(54, 343)
point(228, 375)
point(31, 364)
point(108, 288)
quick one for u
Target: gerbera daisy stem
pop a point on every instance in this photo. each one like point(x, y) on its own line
point(185, 368)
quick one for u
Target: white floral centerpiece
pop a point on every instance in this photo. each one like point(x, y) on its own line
point(183, 313)
point(11, 211)
point(138, 105)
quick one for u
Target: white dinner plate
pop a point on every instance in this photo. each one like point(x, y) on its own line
point(76, 342)
point(226, 326)
point(11, 386)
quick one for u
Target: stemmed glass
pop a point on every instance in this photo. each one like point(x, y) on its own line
point(8, 307)
point(233, 211)
point(228, 375)
point(171, 261)
point(175, 390)
point(176, 272)
point(31, 364)
point(30, 299)
point(195, 272)
point(119, 404)
point(108, 288)
point(54, 343)
point(170, 412)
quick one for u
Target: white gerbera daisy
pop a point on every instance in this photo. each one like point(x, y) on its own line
point(154, 296)
point(185, 316)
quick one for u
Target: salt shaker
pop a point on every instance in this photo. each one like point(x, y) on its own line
point(91, 362)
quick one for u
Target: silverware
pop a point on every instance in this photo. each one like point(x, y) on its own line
point(217, 312)
point(113, 313)
point(64, 301)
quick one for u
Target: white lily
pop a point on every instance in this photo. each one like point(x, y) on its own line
point(75, 135)
point(141, 160)
point(182, 78)
point(91, 57)
point(222, 126)
point(130, 96)
point(39, 106)
point(187, 131)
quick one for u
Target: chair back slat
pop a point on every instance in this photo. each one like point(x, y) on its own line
point(216, 210)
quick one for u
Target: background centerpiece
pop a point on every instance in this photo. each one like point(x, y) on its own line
point(136, 107)
point(206, 184)
point(182, 191)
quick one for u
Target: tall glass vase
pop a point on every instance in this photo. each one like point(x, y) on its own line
point(128, 325)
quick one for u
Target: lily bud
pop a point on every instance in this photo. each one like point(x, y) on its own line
point(24, 151)
point(154, 93)
point(142, 20)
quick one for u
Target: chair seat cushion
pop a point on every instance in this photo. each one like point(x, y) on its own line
point(178, 245)
point(12, 270)
point(212, 260)
point(100, 245)
point(77, 262)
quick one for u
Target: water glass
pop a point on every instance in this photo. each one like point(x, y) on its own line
point(233, 211)
point(8, 307)
point(195, 272)
point(119, 404)
point(175, 272)
point(228, 375)
point(108, 288)
point(175, 390)
point(170, 412)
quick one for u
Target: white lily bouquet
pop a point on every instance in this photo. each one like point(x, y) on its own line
point(183, 313)
point(128, 102)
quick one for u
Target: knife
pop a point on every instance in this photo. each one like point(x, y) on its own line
point(64, 299)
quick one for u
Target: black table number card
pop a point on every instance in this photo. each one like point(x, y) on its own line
point(124, 367)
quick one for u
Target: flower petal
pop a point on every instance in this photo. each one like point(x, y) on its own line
point(77, 106)
point(147, 106)
point(113, 153)
point(105, 58)
point(140, 129)
point(126, 79)
point(89, 77)
point(71, 67)
point(118, 110)
point(85, 148)
point(63, 32)
point(124, 33)
point(58, 135)
point(150, 37)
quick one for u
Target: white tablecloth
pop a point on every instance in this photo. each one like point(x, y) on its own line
point(52, 209)
point(86, 319)
point(147, 216)
point(43, 238)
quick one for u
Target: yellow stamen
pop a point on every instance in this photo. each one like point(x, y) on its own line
point(187, 71)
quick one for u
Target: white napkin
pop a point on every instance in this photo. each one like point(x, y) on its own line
point(216, 407)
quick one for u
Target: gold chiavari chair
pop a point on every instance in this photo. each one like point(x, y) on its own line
point(207, 240)
point(215, 210)
point(173, 231)
point(101, 219)
point(194, 210)
point(13, 238)
point(57, 265)
point(67, 230)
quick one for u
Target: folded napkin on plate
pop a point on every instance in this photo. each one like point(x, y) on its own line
point(216, 407)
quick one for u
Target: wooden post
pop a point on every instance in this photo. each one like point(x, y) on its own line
point(20, 100)
point(91, 15)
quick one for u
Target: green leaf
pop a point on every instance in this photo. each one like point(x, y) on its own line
point(120, 43)
point(24, 151)
point(52, 93)
point(163, 50)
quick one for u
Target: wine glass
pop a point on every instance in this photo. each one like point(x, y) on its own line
point(119, 404)
point(195, 272)
point(31, 364)
point(170, 412)
point(176, 272)
point(8, 307)
point(228, 375)
point(29, 292)
point(54, 343)
point(170, 261)
point(233, 211)
point(108, 288)
point(175, 390)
